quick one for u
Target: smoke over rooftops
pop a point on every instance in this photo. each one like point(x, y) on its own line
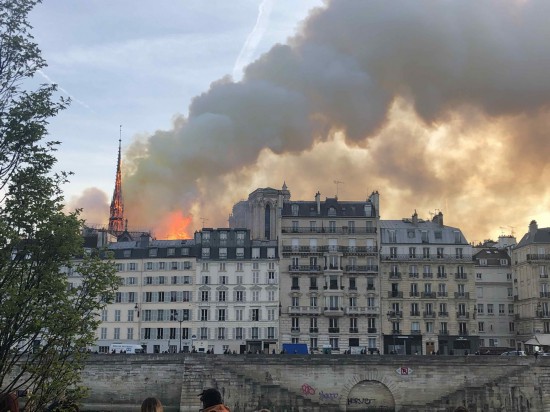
point(428, 101)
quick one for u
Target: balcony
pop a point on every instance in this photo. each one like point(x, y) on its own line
point(394, 275)
point(394, 315)
point(304, 310)
point(428, 315)
point(362, 269)
point(395, 294)
point(304, 250)
point(461, 276)
point(414, 294)
point(443, 314)
point(462, 295)
point(442, 276)
point(361, 310)
point(396, 332)
point(371, 330)
point(371, 287)
point(415, 332)
point(413, 275)
point(339, 230)
point(428, 295)
point(463, 315)
point(442, 294)
point(428, 275)
point(415, 313)
point(333, 311)
point(304, 268)
point(427, 258)
point(294, 330)
point(333, 330)
point(313, 330)
point(538, 257)
point(353, 330)
point(357, 250)
point(545, 294)
point(443, 332)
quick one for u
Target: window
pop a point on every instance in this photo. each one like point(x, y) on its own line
point(223, 280)
point(255, 277)
point(222, 255)
point(392, 236)
point(490, 309)
point(255, 315)
point(501, 310)
point(240, 253)
point(478, 276)
point(511, 326)
point(147, 333)
point(221, 315)
point(295, 283)
point(480, 308)
point(117, 316)
point(294, 209)
point(332, 226)
point(204, 314)
point(204, 296)
point(393, 253)
point(271, 295)
point(239, 296)
point(255, 295)
point(221, 296)
point(239, 314)
point(481, 326)
point(104, 315)
point(130, 333)
point(412, 252)
point(271, 314)
point(334, 343)
point(313, 301)
point(295, 324)
point(205, 252)
point(440, 253)
point(238, 333)
point(239, 267)
point(103, 334)
point(130, 315)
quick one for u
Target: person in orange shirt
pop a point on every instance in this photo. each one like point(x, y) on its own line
point(212, 401)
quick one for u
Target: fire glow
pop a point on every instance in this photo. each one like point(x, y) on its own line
point(174, 226)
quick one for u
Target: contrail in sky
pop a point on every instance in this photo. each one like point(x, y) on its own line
point(254, 38)
point(74, 99)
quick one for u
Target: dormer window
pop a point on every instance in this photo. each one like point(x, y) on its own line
point(295, 209)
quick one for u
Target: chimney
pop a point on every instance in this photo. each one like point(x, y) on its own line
point(438, 218)
point(374, 198)
point(415, 218)
point(318, 201)
point(144, 240)
point(533, 227)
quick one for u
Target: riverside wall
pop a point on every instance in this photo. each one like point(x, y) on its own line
point(303, 383)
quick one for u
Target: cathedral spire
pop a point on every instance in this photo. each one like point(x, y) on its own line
point(116, 219)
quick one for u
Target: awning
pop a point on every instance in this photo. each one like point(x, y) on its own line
point(539, 340)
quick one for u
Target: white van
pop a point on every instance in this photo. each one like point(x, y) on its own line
point(125, 348)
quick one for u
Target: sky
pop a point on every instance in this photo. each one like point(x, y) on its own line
point(438, 105)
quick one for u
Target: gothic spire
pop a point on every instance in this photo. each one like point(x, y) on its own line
point(116, 219)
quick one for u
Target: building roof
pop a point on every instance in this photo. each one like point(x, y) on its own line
point(330, 207)
point(493, 256)
point(539, 235)
point(407, 231)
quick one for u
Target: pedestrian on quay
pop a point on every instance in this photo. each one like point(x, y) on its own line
point(212, 401)
point(151, 404)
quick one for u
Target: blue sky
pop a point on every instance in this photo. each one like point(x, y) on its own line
point(138, 64)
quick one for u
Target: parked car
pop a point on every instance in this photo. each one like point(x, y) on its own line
point(544, 353)
point(514, 353)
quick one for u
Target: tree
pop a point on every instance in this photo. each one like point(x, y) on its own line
point(46, 323)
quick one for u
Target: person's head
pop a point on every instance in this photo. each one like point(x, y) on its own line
point(151, 405)
point(210, 397)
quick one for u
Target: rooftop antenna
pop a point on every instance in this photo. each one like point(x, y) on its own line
point(203, 219)
point(337, 183)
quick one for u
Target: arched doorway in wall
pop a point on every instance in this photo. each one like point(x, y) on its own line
point(370, 396)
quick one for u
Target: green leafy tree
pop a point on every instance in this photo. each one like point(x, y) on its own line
point(46, 324)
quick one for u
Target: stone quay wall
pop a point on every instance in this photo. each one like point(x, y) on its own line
point(304, 383)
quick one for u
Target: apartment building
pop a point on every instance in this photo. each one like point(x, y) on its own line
point(217, 292)
point(494, 296)
point(154, 304)
point(237, 307)
point(427, 288)
point(530, 269)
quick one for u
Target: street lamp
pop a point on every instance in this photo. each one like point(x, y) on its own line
point(180, 321)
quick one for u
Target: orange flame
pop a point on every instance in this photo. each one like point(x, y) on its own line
point(174, 226)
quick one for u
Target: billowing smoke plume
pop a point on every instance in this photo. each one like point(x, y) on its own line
point(94, 205)
point(436, 104)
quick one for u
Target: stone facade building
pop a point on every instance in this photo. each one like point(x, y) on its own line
point(530, 267)
point(427, 288)
point(494, 297)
